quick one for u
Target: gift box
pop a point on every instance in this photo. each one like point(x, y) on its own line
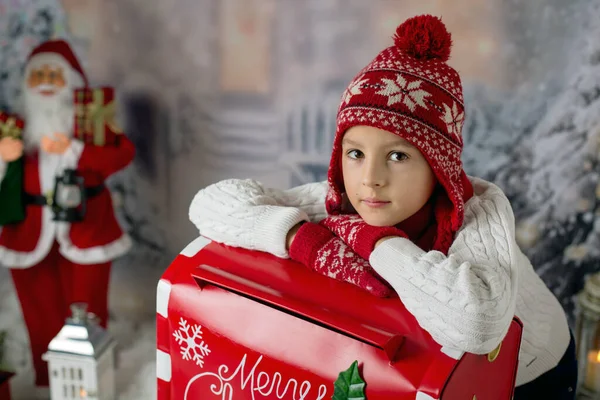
point(11, 125)
point(239, 324)
point(4, 384)
point(12, 208)
point(95, 111)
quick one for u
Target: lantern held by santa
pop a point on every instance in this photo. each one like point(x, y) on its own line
point(69, 196)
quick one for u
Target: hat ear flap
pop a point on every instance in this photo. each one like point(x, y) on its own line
point(444, 210)
point(467, 186)
point(334, 201)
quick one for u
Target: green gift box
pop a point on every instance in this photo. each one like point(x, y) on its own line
point(12, 206)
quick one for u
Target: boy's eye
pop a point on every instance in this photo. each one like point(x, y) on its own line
point(354, 154)
point(398, 156)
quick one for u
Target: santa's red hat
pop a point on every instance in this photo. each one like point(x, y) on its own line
point(59, 52)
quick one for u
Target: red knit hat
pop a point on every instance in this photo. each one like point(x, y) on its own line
point(409, 90)
point(57, 51)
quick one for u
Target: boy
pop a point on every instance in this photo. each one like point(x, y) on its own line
point(398, 197)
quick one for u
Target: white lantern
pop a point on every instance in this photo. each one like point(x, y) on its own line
point(81, 359)
point(587, 333)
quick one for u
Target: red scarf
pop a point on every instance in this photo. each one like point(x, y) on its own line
point(421, 227)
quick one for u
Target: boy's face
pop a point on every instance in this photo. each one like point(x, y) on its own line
point(387, 180)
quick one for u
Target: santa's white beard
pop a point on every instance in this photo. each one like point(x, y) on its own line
point(47, 115)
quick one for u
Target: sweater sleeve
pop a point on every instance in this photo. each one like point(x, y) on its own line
point(242, 213)
point(309, 197)
point(465, 300)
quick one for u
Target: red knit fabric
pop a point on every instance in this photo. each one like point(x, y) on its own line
point(318, 249)
point(424, 37)
point(421, 228)
point(409, 90)
point(360, 236)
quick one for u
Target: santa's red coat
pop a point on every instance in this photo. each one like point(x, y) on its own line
point(98, 238)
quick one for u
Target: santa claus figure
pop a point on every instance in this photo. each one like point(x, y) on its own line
point(54, 263)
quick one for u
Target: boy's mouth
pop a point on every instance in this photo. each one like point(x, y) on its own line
point(374, 202)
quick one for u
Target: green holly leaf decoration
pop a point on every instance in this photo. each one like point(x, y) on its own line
point(349, 385)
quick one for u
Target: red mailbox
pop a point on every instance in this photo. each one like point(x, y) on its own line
point(234, 324)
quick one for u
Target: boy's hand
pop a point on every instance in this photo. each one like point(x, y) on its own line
point(360, 236)
point(291, 235)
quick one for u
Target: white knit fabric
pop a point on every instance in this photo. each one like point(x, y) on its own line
point(465, 300)
point(242, 213)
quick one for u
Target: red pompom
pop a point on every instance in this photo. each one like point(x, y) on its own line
point(424, 37)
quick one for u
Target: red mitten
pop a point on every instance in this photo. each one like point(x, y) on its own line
point(360, 236)
point(318, 249)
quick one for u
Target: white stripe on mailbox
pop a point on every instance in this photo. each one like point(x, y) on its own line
point(194, 247)
point(163, 293)
point(424, 396)
point(163, 366)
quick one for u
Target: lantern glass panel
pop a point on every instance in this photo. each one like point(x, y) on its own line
point(590, 335)
point(587, 335)
point(68, 196)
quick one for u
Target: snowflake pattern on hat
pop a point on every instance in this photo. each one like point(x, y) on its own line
point(454, 119)
point(353, 89)
point(402, 90)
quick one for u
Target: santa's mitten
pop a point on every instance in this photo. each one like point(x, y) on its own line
point(360, 236)
point(320, 250)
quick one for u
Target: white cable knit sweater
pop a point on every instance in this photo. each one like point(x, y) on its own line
point(465, 300)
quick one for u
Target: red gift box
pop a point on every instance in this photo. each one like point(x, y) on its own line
point(11, 125)
point(95, 111)
point(238, 324)
point(4, 384)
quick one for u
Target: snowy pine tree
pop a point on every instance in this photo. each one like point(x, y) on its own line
point(543, 146)
point(24, 25)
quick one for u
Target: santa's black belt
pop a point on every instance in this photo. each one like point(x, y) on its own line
point(41, 200)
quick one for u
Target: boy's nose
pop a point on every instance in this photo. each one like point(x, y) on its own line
point(373, 175)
